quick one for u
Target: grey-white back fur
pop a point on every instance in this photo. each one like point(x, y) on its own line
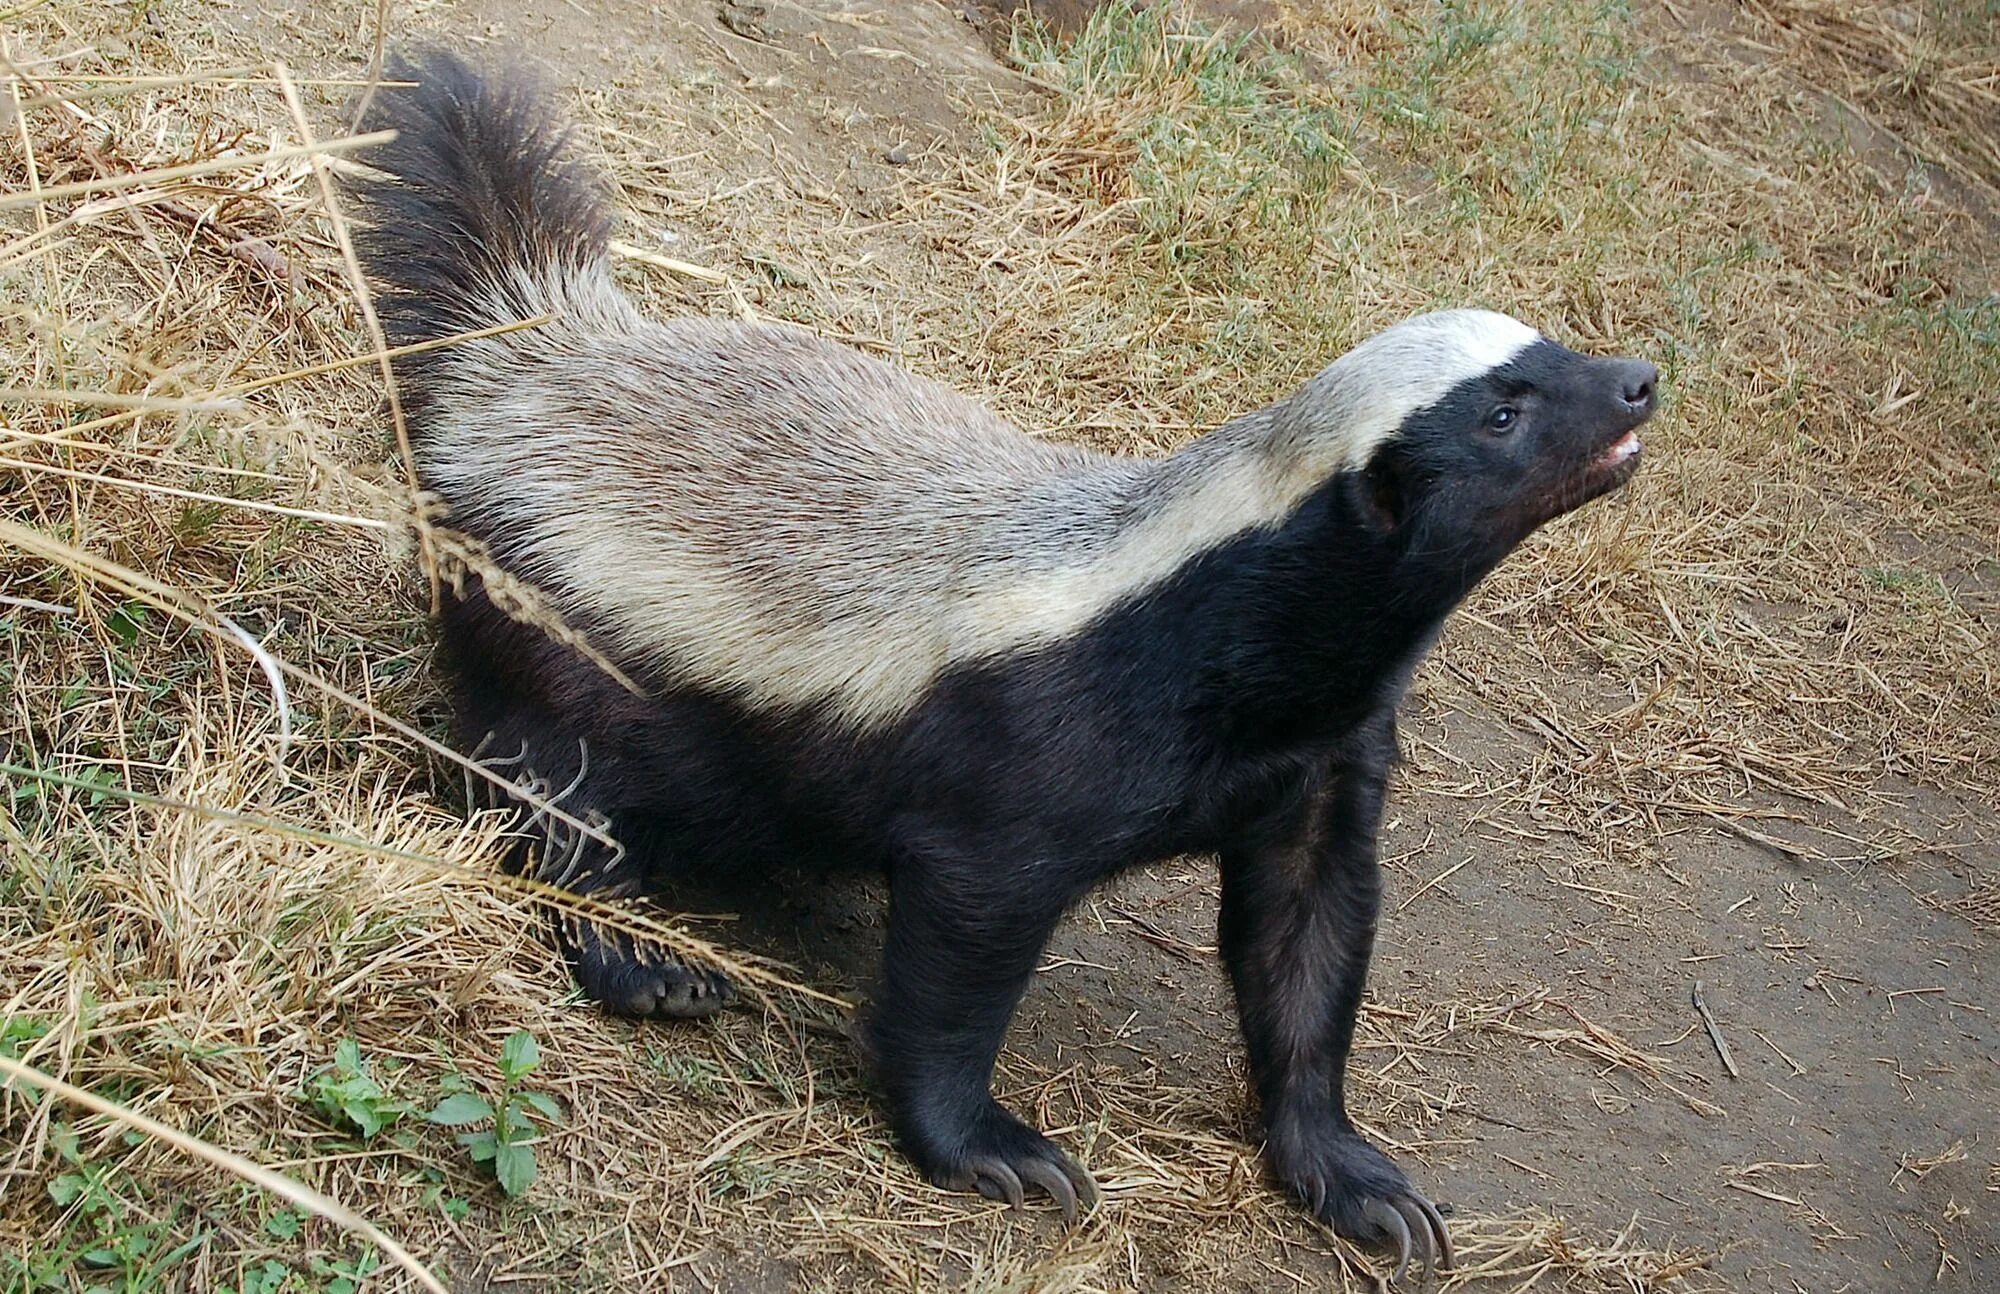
point(759, 511)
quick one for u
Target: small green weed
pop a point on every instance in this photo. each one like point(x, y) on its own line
point(346, 1276)
point(274, 1276)
point(743, 1174)
point(109, 1240)
point(267, 1277)
point(16, 1032)
point(516, 1116)
point(128, 620)
point(1917, 588)
point(437, 1188)
point(697, 1076)
point(349, 1096)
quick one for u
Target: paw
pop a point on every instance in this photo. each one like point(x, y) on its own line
point(1356, 1189)
point(1003, 1158)
point(650, 985)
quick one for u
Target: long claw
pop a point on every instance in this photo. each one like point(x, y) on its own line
point(1086, 1185)
point(1444, 1259)
point(1002, 1176)
point(1423, 1246)
point(1052, 1179)
point(1389, 1220)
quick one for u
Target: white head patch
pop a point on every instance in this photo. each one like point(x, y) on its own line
point(1338, 419)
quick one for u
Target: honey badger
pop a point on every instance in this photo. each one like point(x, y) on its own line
point(872, 623)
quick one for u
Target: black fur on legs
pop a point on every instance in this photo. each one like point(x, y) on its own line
point(639, 980)
point(1300, 896)
point(514, 687)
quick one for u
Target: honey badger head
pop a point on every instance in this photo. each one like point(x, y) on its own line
point(1460, 432)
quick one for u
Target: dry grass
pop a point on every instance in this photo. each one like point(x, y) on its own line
point(204, 891)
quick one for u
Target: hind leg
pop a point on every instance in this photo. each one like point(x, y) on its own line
point(626, 974)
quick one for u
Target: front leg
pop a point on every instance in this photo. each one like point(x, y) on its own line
point(965, 933)
point(1300, 894)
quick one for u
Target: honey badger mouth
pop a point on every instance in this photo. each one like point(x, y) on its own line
point(1613, 465)
point(1614, 461)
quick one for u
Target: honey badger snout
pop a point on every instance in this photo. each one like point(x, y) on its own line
point(1636, 383)
point(1617, 395)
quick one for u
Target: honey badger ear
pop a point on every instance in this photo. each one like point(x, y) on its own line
point(1379, 493)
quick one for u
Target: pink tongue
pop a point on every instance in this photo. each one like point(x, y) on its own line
point(1621, 449)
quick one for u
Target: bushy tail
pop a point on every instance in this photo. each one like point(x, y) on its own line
point(483, 217)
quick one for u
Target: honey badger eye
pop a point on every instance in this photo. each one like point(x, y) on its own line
point(1503, 418)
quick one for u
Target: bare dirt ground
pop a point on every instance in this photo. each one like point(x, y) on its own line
point(1590, 828)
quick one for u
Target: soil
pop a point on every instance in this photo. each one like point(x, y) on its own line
point(1855, 1148)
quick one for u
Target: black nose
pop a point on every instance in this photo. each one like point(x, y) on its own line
point(1636, 382)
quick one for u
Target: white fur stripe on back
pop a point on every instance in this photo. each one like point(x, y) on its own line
point(771, 515)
